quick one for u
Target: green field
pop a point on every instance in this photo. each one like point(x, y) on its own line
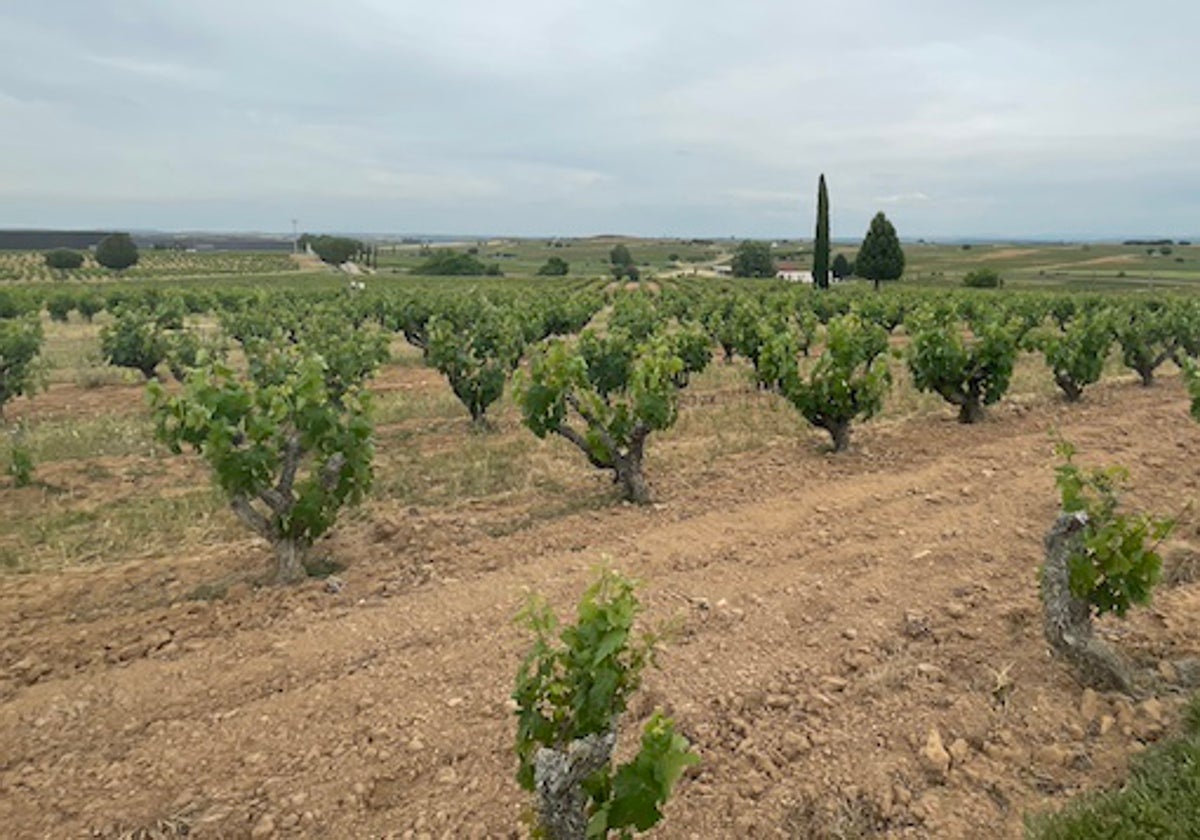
point(1057, 267)
point(1088, 266)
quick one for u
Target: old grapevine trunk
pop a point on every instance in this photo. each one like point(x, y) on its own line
point(558, 778)
point(970, 410)
point(1067, 619)
point(624, 461)
point(289, 561)
point(839, 430)
point(628, 467)
point(632, 480)
point(1070, 388)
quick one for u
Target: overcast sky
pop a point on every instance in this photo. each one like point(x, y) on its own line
point(1050, 118)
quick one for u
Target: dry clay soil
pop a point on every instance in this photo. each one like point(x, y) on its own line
point(833, 615)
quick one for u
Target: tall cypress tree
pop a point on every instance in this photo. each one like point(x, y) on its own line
point(821, 243)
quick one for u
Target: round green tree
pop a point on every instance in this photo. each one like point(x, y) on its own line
point(117, 251)
point(841, 268)
point(880, 257)
point(753, 259)
point(554, 267)
point(335, 250)
point(620, 256)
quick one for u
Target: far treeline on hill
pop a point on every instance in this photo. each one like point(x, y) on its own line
point(44, 240)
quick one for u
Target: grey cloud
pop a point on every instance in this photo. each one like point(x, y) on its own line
point(542, 116)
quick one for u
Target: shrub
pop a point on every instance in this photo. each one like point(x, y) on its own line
point(1117, 565)
point(476, 356)
point(1191, 374)
point(187, 350)
point(983, 278)
point(1076, 353)
point(1097, 561)
point(571, 691)
point(134, 340)
point(636, 314)
point(445, 262)
point(20, 458)
point(15, 303)
point(967, 372)
point(848, 381)
point(59, 306)
point(64, 259)
point(554, 267)
point(605, 396)
point(287, 453)
point(20, 343)
point(1146, 334)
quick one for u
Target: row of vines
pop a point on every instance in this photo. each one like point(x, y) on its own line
point(272, 384)
point(603, 367)
point(270, 387)
point(33, 267)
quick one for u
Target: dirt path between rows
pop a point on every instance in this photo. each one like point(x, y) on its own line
point(832, 612)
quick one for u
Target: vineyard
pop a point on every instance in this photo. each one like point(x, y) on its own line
point(30, 266)
point(234, 500)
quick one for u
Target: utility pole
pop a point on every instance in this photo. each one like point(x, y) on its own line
point(295, 239)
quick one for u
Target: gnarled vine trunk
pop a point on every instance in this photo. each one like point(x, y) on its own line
point(289, 561)
point(557, 778)
point(1071, 389)
point(628, 467)
point(839, 430)
point(632, 480)
point(1067, 619)
point(970, 410)
point(625, 462)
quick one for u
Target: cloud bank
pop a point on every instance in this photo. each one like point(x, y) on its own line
point(534, 117)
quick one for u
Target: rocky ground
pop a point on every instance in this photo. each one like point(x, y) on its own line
point(857, 648)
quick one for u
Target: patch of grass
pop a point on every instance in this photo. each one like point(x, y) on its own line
point(71, 347)
point(213, 591)
point(845, 818)
point(1181, 566)
point(322, 566)
point(79, 438)
point(1161, 798)
point(478, 466)
point(400, 407)
point(715, 426)
point(568, 504)
point(49, 533)
point(97, 373)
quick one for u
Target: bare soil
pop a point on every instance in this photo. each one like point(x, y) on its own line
point(832, 612)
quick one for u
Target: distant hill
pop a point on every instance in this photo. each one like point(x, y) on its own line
point(41, 240)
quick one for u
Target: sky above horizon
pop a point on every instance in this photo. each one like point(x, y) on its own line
point(540, 117)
